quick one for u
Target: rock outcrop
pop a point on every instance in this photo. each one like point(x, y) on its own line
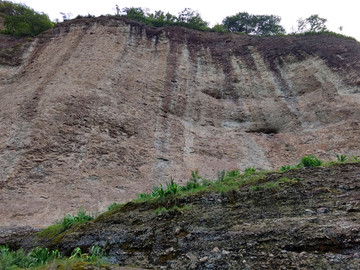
point(97, 110)
point(306, 218)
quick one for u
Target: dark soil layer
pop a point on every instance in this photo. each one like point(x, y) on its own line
point(12, 50)
point(312, 222)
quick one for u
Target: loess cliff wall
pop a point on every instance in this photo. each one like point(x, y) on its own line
point(98, 110)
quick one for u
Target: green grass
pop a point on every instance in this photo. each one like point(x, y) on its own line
point(276, 184)
point(66, 223)
point(113, 206)
point(41, 258)
point(161, 210)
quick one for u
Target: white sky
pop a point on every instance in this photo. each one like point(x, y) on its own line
point(343, 13)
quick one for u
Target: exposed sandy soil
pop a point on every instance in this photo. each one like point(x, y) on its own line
point(98, 110)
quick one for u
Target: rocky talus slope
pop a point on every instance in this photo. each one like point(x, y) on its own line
point(306, 218)
point(97, 110)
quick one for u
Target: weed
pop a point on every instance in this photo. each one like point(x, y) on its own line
point(171, 188)
point(277, 184)
point(41, 256)
point(250, 170)
point(70, 220)
point(113, 206)
point(341, 158)
point(233, 173)
point(355, 159)
point(221, 175)
point(161, 210)
point(193, 182)
point(19, 259)
point(310, 161)
point(286, 168)
point(205, 182)
point(76, 253)
point(96, 254)
point(144, 196)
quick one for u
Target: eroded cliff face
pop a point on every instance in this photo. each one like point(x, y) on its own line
point(101, 109)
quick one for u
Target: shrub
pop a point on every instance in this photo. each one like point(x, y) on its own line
point(21, 20)
point(310, 161)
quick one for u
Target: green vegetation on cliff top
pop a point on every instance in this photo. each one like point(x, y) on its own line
point(21, 20)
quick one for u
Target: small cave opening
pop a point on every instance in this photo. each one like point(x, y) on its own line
point(264, 130)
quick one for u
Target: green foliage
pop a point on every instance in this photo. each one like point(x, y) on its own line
point(144, 196)
point(51, 231)
point(312, 24)
point(221, 175)
point(250, 170)
point(42, 256)
point(192, 19)
point(113, 206)
point(161, 210)
point(187, 18)
point(19, 259)
point(286, 168)
point(137, 14)
point(70, 220)
point(310, 161)
point(355, 159)
point(193, 182)
point(96, 254)
point(38, 257)
point(21, 20)
point(13, 259)
point(277, 184)
point(262, 25)
point(76, 253)
point(341, 158)
point(66, 223)
point(219, 28)
point(233, 173)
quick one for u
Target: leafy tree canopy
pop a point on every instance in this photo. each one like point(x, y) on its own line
point(312, 24)
point(192, 18)
point(21, 20)
point(262, 25)
point(187, 18)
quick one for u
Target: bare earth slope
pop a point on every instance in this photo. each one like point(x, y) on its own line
point(97, 110)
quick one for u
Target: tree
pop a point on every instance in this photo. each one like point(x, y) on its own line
point(312, 24)
point(192, 18)
point(138, 14)
point(219, 28)
point(21, 20)
point(262, 25)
